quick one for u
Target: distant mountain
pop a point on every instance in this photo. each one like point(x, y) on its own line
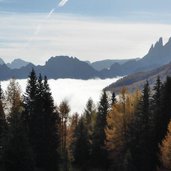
point(65, 67)
point(106, 64)
point(69, 67)
point(55, 67)
point(1, 61)
point(137, 80)
point(157, 56)
point(17, 63)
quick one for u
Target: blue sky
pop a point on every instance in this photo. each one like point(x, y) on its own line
point(89, 29)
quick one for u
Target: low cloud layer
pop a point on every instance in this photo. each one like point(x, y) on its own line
point(76, 92)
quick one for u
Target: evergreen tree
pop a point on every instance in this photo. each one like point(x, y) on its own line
point(113, 98)
point(166, 107)
point(52, 140)
point(37, 123)
point(42, 122)
point(81, 150)
point(3, 124)
point(30, 109)
point(18, 154)
point(141, 142)
point(99, 153)
point(156, 121)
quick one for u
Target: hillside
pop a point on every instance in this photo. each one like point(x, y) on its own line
point(137, 80)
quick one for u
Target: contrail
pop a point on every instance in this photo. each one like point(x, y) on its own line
point(38, 28)
point(62, 3)
point(50, 13)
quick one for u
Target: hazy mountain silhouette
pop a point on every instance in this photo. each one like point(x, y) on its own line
point(65, 67)
point(69, 67)
point(106, 64)
point(157, 56)
point(17, 63)
point(55, 67)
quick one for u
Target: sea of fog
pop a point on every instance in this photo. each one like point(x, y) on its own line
point(76, 92)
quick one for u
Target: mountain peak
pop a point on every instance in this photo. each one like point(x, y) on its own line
point(151, 49)
point(1, 61)
point(17, 63)
point(159, 43)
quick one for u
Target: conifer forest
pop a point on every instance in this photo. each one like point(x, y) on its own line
point(125, 132)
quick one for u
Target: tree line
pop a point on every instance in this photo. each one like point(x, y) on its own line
point(127, 132)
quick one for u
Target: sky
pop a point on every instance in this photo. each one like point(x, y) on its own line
point(82, 90)
point(91, 30)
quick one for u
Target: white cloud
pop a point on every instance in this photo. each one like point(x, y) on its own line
point(76, 92)
point(86, 38)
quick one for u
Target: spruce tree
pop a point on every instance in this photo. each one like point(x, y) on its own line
point(52, 139)
point(30, 107)
point(81, 150)
point(156, 121)
point(3, 125)
point(17, 154)
point(99, 153)
point(43, 122)
point(38, 120)
point(166, 107)
point(141, 142)
point(113, 98)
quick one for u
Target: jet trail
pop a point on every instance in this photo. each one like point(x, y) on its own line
point(50, 13)
point(62, 3)
point(38, 28)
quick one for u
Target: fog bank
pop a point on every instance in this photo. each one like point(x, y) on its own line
point(76, 92)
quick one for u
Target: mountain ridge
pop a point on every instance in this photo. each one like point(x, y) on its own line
point(17, 63)
point(72, 67)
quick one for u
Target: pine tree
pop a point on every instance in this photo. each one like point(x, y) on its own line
point(81, 150)
point(30, 109)
point(99, 153)
point(141, 142)
point(42, 122)
point(52, 139)
point(113, 98)
point(3, 124)
point(156, 120)
point(166, 107)
point(18, 154)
